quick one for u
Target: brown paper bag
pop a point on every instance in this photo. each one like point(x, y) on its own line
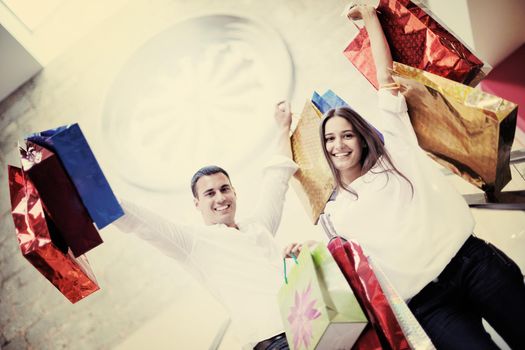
point(313, 181)
point(464, 129)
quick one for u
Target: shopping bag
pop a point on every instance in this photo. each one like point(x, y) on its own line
point(368, 340)
point(414, 333)
point(418, 40)
point(71, 276)
point(60, 198)
point(71, 147)
point(320, 103)
point(354, 265)
point(313, 181)
point(507, 80)
point(318, 308)
point(327, 101)
point(466, 130)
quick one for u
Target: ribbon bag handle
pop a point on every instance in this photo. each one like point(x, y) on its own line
point(284, 266)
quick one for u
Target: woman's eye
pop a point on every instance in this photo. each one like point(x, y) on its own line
point(329, 139)
point(348, 136)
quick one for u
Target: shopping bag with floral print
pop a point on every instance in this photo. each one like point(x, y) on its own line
point(318, 308)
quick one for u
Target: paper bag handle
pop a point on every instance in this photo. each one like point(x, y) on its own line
point(327, 225)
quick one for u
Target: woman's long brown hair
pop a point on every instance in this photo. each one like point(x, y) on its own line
point(373, 153)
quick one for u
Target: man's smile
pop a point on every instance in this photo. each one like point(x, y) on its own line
point(222, 207)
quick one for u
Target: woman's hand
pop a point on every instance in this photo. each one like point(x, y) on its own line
point(283, 115)
point(378, 44)
point(356, 12)
point(295, 248)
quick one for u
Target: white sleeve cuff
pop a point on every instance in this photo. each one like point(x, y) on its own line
point(390, 103)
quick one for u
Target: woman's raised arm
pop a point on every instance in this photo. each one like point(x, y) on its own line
point(378, 43)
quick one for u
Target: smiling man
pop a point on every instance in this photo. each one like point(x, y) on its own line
point(237, 261)
point(214, 196)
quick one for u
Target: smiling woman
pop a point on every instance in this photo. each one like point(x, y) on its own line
point(421, 235)
point(353, 148)
point(344, 148)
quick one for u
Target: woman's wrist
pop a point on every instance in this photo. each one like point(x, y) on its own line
point(367, 12)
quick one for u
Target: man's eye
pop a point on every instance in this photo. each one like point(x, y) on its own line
point(210, 194)
point(226, 190)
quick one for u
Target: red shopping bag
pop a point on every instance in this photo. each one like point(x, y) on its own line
point(37, 235)
point(368, 340)
point(60, 199)
point(417, 40)
point(355, 267)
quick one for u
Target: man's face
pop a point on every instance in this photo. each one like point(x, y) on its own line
point(216, 200)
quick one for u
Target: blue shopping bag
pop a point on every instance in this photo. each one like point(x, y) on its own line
point(330, 100)
point(327, 101)
point(70, 145)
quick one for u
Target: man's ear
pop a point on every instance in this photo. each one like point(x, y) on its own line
point(196, 202)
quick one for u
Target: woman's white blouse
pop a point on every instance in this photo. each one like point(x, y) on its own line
point(411, 237)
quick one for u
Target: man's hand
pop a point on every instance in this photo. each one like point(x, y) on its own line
point(295, 248)
point(283, 119)
point(283, 115)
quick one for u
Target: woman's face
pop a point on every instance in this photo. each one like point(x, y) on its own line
point(343, 145)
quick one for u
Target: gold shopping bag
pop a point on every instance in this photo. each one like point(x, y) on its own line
point(464, 129)
point(313, 182)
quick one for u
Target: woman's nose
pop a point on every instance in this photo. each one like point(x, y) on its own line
point(338, 142)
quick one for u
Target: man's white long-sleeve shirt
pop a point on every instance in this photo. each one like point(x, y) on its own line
point(241, 268)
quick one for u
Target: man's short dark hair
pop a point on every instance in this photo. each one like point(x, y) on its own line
point(205, 171)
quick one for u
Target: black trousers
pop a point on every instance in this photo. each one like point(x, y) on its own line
point(479, 282)
point(277, 342)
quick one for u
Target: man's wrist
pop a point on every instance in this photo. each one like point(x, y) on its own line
point(283, 129)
